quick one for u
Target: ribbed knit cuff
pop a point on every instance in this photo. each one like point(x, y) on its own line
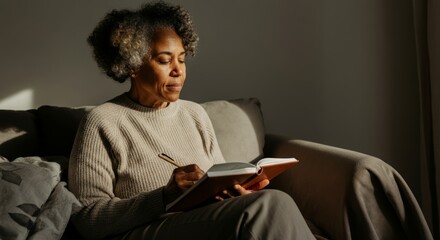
point(155, 204)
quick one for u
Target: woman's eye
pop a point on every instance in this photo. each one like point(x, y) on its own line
point(182, 60)
point(164, 61)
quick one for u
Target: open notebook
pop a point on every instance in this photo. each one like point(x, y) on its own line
point(224, 176)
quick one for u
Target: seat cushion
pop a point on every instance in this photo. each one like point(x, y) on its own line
point(239, 128)
point(18, 134)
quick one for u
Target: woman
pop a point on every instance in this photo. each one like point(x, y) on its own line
point(115, 170)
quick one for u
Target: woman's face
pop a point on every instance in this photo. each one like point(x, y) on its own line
point(160, 79)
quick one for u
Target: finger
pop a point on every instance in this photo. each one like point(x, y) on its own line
point(182, 181)
point(260, 185)
point(194, 176)
point(190, 183)
point(190, 172)
point(219, 198)
point(241, 190)
point(228, 194)
point(185, 178)
point(192, 168)
point(185, 184)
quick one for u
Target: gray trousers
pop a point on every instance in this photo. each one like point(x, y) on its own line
point(266, 214)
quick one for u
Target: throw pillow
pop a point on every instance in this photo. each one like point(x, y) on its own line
point(239, 128)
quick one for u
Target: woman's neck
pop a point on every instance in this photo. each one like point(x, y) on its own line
point(144, 101)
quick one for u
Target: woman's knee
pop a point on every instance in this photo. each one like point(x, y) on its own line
point(274, 197)
point(277, 208)
point(273, 202)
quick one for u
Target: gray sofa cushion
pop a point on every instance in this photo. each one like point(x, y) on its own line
point(18, 134)
point(58, 126)
point(239, 128)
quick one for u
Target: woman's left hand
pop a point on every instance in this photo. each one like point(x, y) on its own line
point(238, 189)
point(258, 186)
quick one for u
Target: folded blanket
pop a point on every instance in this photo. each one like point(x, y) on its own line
point(34, 204)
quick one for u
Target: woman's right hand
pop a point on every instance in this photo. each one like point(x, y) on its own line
point(181, 179)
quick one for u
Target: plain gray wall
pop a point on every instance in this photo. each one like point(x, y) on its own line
point(336, 72)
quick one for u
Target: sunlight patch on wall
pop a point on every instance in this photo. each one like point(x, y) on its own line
point(21, 100)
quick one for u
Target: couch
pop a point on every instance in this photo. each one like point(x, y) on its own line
point(341, 193)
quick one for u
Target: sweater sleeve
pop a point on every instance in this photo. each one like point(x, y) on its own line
point(92, 179)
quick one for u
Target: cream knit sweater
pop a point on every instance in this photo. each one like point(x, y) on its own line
point(114, 168)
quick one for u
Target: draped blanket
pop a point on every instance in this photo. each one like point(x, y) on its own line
point(347, 195)
point(34, 203)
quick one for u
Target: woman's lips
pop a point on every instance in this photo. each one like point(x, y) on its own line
point(174, 87)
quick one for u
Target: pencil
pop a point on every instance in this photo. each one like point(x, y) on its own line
point(168, 159)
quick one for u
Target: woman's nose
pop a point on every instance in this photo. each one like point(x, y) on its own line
point(177, 69)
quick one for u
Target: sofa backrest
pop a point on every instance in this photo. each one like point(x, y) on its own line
point(239, 128)
point(19, 134)
point(51, 130)
point(58, 126)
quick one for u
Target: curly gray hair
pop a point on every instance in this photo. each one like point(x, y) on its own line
point(121, 40)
